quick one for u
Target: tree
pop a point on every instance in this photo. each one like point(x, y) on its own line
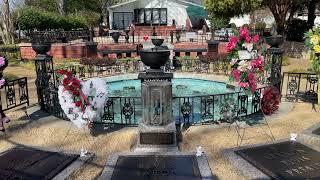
point(220, 11)
point(312, 11)
point(283, 11)
point(6, 25)
point(62, 7)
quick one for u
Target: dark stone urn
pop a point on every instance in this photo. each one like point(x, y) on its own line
point(157, 56)
point(213, 50)
point(115, 36)
point(274, 41)
point(41, 48)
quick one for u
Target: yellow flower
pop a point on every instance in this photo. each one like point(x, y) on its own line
point(317, 49)
point(315, 39)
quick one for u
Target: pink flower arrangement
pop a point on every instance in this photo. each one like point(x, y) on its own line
point(245, 70)
point(2, 82)
point(2, 61)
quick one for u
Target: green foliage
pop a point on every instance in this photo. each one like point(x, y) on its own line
point(296, 30)
point(33, 18)
point(313, 43)
point(231, 8)
point(45, 5)
point(218, 22)
point(260, 25)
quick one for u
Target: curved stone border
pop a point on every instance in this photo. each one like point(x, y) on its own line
point(309, 137)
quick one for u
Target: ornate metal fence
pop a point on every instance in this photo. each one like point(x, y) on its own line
point(128, 110)
point(14, 94)
point(300, 87)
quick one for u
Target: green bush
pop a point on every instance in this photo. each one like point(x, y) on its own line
point(260, 25)
point(296, 30)
point(33, 18)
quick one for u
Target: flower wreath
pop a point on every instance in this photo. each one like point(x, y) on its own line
point(81, 101)
point(246, 62)
point(270, 100)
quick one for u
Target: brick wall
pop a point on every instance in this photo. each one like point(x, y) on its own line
point(62, 51)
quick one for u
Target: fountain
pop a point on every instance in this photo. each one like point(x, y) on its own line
point(156, 154)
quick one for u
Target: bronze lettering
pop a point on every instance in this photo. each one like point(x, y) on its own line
point(297, 171)
point(289, 172)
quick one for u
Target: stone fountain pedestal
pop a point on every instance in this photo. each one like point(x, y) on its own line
point(156, 155)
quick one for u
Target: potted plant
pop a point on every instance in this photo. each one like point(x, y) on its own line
point(313, 43)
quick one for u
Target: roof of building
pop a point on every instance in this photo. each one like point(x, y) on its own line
point(191, 2)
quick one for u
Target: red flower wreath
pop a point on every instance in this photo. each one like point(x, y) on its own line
point(270, 100)
point(72, 84)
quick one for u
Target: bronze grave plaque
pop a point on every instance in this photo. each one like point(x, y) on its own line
point(157, 138)
point(285, 160)
point(161, 167)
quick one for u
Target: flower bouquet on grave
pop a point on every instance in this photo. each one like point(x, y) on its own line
point(246, 61)
point(312, 41)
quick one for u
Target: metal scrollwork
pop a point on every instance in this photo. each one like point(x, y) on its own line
point(127, 110)
point(186, 109)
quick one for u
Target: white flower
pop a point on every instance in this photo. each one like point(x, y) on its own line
point(233, 61)
point(248, 46)
point(244, 66)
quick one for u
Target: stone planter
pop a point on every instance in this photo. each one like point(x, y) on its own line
point(40, 48)
point(115, 36)
point(155, 58)
point(274, 41)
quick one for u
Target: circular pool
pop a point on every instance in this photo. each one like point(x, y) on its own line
point(181, 87)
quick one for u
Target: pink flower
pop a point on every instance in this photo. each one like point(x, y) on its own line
point(2, 61)
point(248, 39)
point(244, 84)
point(256, 38)
point(257, 63)
point(253, 86)
point(244, 32)
point(2, 82)
point(250, 76)
point(232, 43)
point(236, 75)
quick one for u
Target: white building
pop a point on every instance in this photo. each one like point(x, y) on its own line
point(150, 12)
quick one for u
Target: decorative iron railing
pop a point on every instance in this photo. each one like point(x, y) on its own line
point(128, 110)
point(14, 94)
point(300, 87)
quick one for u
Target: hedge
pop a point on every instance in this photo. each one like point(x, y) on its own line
point(32, 18)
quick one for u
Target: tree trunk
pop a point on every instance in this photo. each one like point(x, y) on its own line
point(6, 26)
point(62, 7)
point(311, 12)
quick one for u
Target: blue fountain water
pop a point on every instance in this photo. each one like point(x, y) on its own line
point(181, 87)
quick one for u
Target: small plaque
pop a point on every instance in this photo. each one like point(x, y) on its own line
point(151, 167)
point(157, 138)
point(316, 132)
point(286, 160)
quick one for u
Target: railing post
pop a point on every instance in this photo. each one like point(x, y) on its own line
point(276, 55)
point(45, 77)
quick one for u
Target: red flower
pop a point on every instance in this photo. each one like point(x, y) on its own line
point(69, 74)
point(78, 103)
point(75, 92)
point(244, 32)
point(61, 71)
